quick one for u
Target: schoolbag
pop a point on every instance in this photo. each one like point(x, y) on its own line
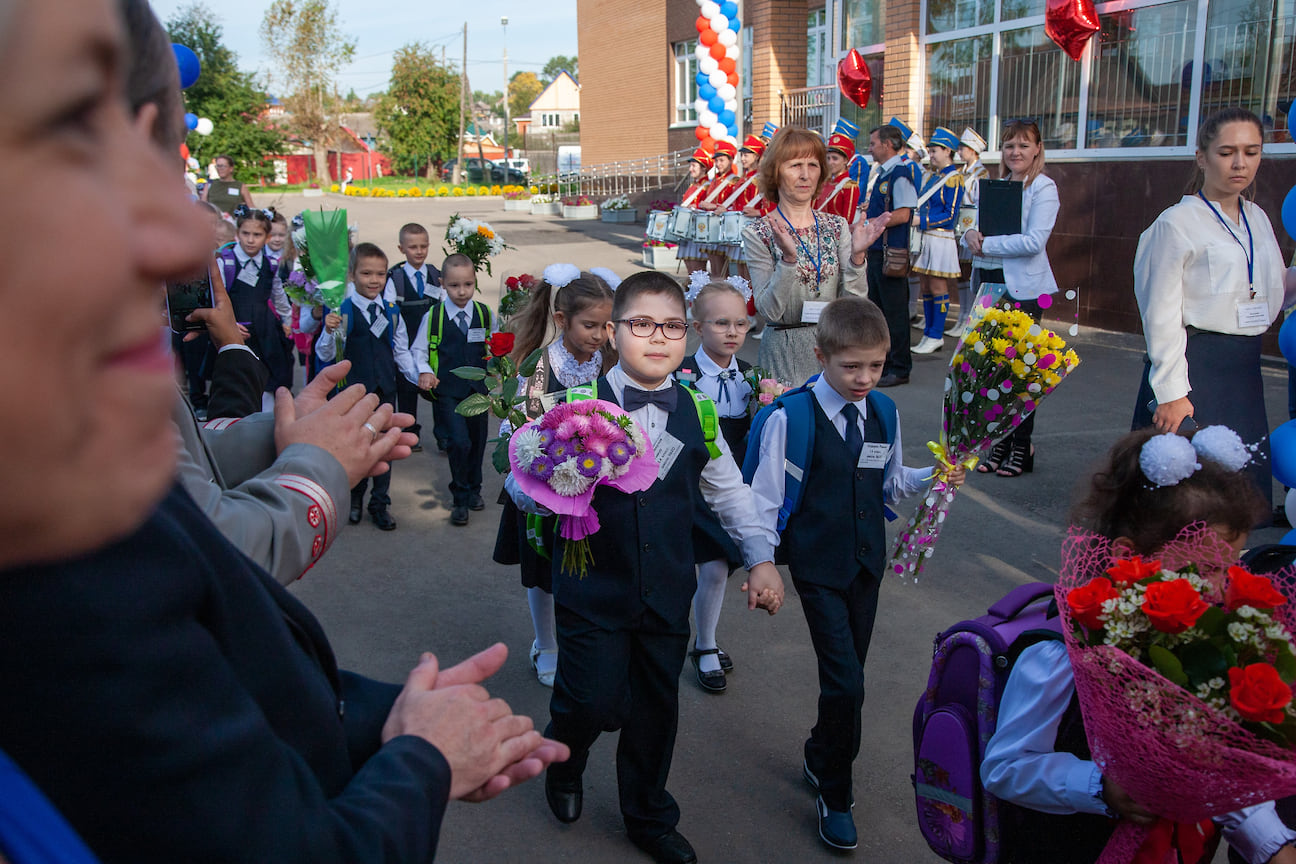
point(799, 405)
point(956, 716)
point(434, 338)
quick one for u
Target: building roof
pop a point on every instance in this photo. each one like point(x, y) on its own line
point(551, 97)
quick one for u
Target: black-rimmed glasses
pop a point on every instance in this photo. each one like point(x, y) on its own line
point(644, 327)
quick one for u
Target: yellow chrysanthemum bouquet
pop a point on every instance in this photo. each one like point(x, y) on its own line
point(1003, 366)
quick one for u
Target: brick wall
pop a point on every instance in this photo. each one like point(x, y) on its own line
point(902, 89)
point(625, 82)
point(778, 53)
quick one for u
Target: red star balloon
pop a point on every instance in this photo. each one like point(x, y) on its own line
point(1070, 23)
point(854, 79)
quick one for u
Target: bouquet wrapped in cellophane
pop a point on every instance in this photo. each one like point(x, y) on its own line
point(1003, 366)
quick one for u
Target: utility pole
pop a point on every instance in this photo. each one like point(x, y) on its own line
point(463, 104)
point(504, 24)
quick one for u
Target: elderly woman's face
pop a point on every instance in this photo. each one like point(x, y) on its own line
point(86, 377)
point(799, 178)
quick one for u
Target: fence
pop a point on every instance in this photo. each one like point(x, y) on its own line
point(623, 177)
point(811, 107)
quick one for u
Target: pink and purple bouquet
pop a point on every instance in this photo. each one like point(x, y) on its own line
point(560, 458)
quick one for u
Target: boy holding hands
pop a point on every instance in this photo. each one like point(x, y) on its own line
point(376, 344)
point(623, 630)
point(836, 569)
point(413, 285)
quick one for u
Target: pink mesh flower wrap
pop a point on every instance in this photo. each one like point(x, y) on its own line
point(1175, 754)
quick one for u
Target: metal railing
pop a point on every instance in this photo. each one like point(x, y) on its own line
point(623, 177)
point(810, 107)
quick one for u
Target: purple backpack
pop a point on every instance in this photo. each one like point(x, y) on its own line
point(955, 718)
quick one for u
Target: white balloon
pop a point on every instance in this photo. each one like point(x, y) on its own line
point(701, 3)
point(708, 118)
point(719, 130)
point(702, 53)
point(731, 105)
point(731, 51)
point(727, 91)
point(728, 37)
point(205, 126)
point(717, 77)
point(708, 65)
point(700, 105)
point(710, 9)
point(719, 23)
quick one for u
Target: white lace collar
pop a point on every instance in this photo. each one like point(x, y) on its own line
point(568, 370)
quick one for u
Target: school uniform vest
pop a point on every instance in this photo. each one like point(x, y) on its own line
point(642, 560)
point(252, 305)
point(373, 361)
point(412, 306)
point(734, 429)
point(881, 200)
point(821, 548)
point(455, 350)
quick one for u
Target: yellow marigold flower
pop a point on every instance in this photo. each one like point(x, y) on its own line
point(334, 188)
point(1071, 359)
point(958, 358)
point(485, 232)
point(535, 190)
point(495, 190)
point(458, 192)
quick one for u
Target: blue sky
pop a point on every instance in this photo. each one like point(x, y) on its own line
point(536, 32)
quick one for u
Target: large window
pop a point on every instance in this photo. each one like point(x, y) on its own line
point(863, 24)
point(958, 84)
point(819, 57)
point(1250, 56)
point(686, 81)
point(1038, 82)
point(1138, 95)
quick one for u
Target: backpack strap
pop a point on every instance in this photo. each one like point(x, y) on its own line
point(708, 419)
point(799, 409)
point(581, 393)
point(434, 339)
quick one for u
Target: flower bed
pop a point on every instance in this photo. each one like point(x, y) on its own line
point(660, 255)
point(579, 207)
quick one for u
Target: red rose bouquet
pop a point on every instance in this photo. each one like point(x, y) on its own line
point(516, 295)
point(1184, 667)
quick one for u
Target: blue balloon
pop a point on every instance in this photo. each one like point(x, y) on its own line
point(191, 120)
point(1289, 212)
point(1282, 444)
point(733, 133)
point(190, 68)
point(1287, 339)
point(1288, 539)
point(716, 104)
point(703, 80)
point(729, 9)
point(1291, 120)
point(734, 24)
point(727, 118)
point(707, 92)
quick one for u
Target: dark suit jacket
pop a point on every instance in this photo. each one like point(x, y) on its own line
point(177, 705)
point(238, 380)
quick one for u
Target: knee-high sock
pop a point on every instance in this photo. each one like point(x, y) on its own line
point(928, 313)
point(707, 600)
point(542, 618)
point(940, 313)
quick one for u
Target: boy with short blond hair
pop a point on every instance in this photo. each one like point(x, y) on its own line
point(413, 285)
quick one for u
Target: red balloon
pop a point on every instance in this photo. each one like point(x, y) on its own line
point(701, 133)
point(854, 79)
point(708, 37)
point(702, 24)
point(1070, 23)
point(184, 151)
point(708, 143)
point(733, 78)
point(718, 51)
point(728, 65)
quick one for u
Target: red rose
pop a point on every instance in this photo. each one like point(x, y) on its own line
point(1173, 606)
point(1246, 589)
point(1258, 693)
point(527, 281)
point(1130, 570)
point(511, 283)
point(500, 344)
point(1086, 602)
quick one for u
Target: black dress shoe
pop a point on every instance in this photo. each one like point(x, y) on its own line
point(564, 797)
point(357, 509)
point(892, 380)
point(416, 448)
point(725, 663)
point(459, 516)
point(476, 503)
point(711, 682)
point(383, 520)
point(668, 848)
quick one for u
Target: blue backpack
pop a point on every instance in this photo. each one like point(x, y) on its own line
point(799, 405)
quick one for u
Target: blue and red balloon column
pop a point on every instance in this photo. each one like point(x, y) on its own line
point(717, 106)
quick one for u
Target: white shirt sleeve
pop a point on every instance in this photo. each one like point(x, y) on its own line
point(307, 322)
point(401, 352)
point(325, 347)
point(1256, 833)
point(279, 297)
point(903, 193)
point(1159, 268)
point(419, 346)
point(732, 500)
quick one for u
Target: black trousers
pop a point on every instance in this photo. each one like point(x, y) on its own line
point(891, 294)
point(841, 627)
point(407, 402)
point(625, 678)
point(465, 446)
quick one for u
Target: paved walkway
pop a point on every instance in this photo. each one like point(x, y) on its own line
point(383, 598)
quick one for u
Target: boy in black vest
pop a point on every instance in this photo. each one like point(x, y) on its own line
point(836, 569)
point(376, 344)
point(454, 334)
point(413, 285)
point(623, 629)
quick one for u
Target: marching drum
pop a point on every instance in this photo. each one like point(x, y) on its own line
point(706, 227)
point(732, 225)
point(657, 225)
point(680, 224)
point(967, 219)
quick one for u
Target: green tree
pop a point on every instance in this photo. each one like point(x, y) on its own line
point(494, 100)
point(232, 100)
point(557, 64)
point(420, 111)
point(524, 87)
point(310, 49)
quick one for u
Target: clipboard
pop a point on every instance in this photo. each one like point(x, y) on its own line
point(999, 207)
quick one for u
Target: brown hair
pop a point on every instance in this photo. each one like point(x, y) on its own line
point(1120, 501)
point(889, 134)
point(851, 322)
point(642, 283)
point(411, 228)
point(1023, 129)
point(789, 143)
point(532, 324)
point(711, 289)
point(458, 259)
point(1208, 131)
point(153, 77)
point(365, 250)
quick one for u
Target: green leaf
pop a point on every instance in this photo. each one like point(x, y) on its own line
point(475, 404)
point(499, 409)
point(528, 367)
point(1213, 621)
point(1285, 663)
point(517, 420)
point(499, 458)
point(506, 368)
point(510, 389)
point(1167, 664)
point(470, 373)
point(1203, 661)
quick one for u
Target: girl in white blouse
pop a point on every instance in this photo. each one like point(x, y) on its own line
point(1208, 277)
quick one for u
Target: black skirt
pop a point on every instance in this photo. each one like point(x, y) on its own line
point(512, 546)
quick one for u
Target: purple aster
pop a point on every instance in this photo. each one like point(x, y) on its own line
point(589, 464)
point(297, 277)
point(541, 468)
point(560, 450)
point(546, 438)
point(619, 452)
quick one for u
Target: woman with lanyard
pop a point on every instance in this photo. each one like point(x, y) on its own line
point(1208, 276)
point(800, 259)
point(226, 192)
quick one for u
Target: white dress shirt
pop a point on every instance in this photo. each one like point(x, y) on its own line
point(326, 346)
point(430, 291)
point(721, 482)
point(278, 296)
point(1024, 257)
point(708, 382)
point(419, 347)
point(1021, 766)
point(767, 485)
point(1190, 270)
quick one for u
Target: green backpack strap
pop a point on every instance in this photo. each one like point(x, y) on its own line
point(434, 339)
point(708, 419)
point(581, 393)
point(535, 534)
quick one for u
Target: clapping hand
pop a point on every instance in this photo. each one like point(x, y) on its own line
point(783, 237)
point(865, 233)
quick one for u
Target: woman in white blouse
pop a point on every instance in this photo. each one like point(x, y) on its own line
point(1019, 261)
point(1208, 276)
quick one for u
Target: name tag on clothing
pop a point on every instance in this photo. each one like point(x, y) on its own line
point(686, 377)
point(249, 274)
point(874, 455)
point(233, 193)
point(549, 400)
point(1254, 313)
point(379, 325)
point(666, 449)
point(477, 334)
point(811, 310)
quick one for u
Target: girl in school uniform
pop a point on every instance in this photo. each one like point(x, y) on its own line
point(569, 312)
point(690, 251)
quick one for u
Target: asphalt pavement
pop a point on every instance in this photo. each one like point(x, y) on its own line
point(429, 586)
